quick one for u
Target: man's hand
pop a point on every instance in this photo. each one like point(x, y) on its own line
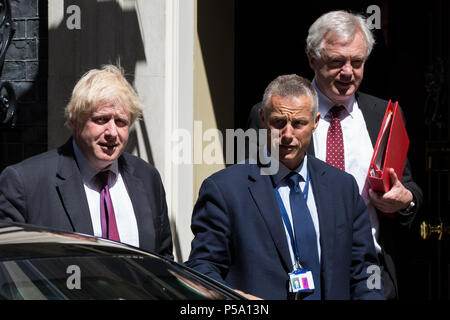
point(396, 199)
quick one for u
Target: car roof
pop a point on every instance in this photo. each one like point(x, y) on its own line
point(23, 241)
point(27, 241)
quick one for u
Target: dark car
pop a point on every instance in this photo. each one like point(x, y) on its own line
point(38, 263)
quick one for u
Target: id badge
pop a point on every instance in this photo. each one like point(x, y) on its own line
point(301, 280)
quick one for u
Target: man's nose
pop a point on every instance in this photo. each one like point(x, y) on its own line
point(347, 69)
point(287, 132)
point(111, 129)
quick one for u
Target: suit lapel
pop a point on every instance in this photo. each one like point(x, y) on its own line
point(371, 114)
point(321, 188)
point(70, 187)
point(262, 192)
point(141, 206)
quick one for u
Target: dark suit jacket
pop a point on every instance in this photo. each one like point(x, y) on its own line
point(240, 238)
point(373, 110)
point(47, 190)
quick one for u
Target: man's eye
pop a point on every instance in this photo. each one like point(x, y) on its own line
point(357, 63)
point(298, 124)
point(336, 63)
point(121, 122)
point(278, 123)
point(100, 120)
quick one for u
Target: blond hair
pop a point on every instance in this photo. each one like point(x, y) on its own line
point(100, 86)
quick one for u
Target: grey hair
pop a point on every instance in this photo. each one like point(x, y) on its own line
point(341, 24)
point(290, 85)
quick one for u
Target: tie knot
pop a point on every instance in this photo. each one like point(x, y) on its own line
point(102, 178)
point(336, 111)
point(294, 181)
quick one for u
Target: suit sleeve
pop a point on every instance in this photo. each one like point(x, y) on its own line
point(164, 246)
point(12, 196)
point(407, 181)
point(364, 258)
point(210, 249)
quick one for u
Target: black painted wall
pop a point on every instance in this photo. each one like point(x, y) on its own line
point(25, 68)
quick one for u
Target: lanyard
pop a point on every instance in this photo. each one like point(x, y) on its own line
point(287, 222)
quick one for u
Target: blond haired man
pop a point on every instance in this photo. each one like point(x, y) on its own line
point(90, 185)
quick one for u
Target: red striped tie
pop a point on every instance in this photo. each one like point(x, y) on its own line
point(335, 139)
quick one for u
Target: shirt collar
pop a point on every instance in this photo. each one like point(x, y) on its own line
point(325, 104)
point(87, 170)
point(283, 171)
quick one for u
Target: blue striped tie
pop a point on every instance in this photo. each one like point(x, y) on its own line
point(305, 233)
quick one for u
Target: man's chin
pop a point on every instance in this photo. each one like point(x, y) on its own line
point(290, 161)
point(104, 160)
point(343, 93)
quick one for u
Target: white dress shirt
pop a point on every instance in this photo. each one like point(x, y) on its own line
point(123, 207)
point(283, 189)
point(358, 147)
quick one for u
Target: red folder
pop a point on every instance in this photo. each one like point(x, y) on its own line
point(390, 150)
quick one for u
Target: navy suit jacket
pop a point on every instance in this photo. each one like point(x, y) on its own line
point(240, 238)
point(373, 110)
point(47, 190)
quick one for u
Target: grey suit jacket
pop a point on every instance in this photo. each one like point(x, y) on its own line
point(47, 190)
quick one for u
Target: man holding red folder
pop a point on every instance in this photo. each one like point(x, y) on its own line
point(337, 46)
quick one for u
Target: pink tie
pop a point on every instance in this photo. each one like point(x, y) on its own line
point(108, 219)
point(335, 140)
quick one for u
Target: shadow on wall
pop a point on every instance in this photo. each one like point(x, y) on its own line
point(91, 34)
point(215, 25)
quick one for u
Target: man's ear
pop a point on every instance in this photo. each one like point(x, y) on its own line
point(316, 121)
point(311, 61)
point(261, 117)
